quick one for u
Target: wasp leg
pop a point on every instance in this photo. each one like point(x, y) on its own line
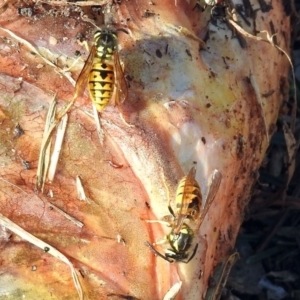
point(124, 121)
point(157, 253)
point(73, 64)
point(115, 96)
point(165, 239)
point(117, 101)
point(159, 221)
point(85, 45)
point(162, 241)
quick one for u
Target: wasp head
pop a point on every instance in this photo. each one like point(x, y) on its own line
point(181, 241)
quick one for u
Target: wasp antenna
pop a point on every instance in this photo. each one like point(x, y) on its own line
point(152, 249)
point(193, 254)
point(125, 30)
point(110, 26)
point(84, 18)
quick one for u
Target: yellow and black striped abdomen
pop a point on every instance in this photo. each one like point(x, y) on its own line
point(101, 83)
point(188, 198)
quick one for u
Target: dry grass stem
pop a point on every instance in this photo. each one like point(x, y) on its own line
point(44, 157)
point(67, 216)
point(61, 129)
point(173, 291)
point(44, 246)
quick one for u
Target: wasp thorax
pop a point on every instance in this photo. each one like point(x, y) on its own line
point(107, 39)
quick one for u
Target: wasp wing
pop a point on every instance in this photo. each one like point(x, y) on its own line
point(214, 184)
point(83, 78)
point(121, 90)
point(192, 173)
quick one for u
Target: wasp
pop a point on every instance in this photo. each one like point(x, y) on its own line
point(102, 71)
point(188, 199)
point(189, 206)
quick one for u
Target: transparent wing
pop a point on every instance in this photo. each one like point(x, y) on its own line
point(214, 184)
point(83, 78)
point(192, 173)
point(120, 82)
